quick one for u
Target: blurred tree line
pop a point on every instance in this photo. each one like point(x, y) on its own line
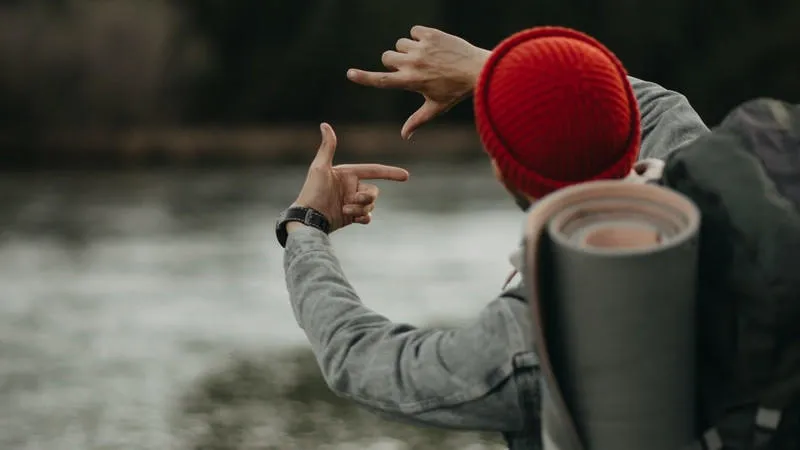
point(245, 62)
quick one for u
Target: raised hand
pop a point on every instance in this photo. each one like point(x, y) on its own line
point(442, 67)
point(337, 191)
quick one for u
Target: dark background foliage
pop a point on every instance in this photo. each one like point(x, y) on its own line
point(255, 62)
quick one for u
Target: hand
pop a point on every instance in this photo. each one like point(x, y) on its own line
point(442, 67)
point(337, 191)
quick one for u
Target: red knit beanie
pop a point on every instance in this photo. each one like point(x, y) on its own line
point(554, 108)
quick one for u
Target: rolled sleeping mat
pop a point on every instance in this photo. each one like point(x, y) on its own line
point(611, 271)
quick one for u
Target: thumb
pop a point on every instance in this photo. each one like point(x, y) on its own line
point(327, 148)
point(425, 113)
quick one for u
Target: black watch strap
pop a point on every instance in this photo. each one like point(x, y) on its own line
point(305, 215)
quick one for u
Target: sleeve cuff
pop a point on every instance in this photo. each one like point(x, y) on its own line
point(306, 239)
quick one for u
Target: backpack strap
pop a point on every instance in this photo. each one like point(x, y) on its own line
point(766, 423)
point(711, 440)
point(518, 293)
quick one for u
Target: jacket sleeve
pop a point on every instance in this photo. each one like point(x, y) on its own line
point(456, 378)
point(668, 120)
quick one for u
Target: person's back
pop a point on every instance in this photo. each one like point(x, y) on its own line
point(483, 376)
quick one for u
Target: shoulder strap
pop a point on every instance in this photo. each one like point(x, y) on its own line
point(765, 425)
point(517, 292)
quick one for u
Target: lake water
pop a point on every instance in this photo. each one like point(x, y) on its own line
point(148, 310)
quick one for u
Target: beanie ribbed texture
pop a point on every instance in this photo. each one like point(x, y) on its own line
point(554, 107)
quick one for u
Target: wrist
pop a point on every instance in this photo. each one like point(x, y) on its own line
point(298, 217)
point(324, 217)
point(480, 56)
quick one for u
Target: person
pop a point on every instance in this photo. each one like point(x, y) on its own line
point(483, 376)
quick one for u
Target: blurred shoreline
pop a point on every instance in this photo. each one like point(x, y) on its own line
point(216, 146)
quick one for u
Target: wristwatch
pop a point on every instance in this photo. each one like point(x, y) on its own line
point(303, 214)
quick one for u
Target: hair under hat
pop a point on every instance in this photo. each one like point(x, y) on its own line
point(554, 107)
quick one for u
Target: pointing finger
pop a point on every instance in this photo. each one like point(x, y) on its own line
point(327, 147)
point(386, 80)
point(375, 172)
point(424, 114)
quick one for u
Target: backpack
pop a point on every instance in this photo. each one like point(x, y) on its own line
point(744, 177)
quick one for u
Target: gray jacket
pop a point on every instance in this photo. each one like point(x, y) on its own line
point(480, 377)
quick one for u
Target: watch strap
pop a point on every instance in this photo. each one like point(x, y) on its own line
point(303, 214)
